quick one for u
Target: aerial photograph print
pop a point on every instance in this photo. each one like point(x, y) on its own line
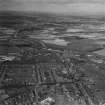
point(52, 52)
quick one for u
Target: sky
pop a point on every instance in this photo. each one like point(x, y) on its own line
point(72, 7)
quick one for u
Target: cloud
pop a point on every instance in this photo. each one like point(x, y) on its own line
point(56, 1)
point(75, 9)
point(70, 1)
point(72, 7)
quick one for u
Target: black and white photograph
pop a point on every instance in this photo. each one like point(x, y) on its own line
point(52, 52)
